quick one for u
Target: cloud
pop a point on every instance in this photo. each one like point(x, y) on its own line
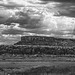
point(10, 6)
point(9, 39)
point(46, 20)
point(60, 0)
point(40, 17)
point(24, 20)
point(4, 15)
point(67, 9)
point(26, 17)
point(12, 31)
point(63, 7)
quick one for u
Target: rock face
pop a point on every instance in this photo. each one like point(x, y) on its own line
point(43, 40)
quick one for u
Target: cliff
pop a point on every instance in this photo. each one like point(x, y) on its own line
point(44, 40)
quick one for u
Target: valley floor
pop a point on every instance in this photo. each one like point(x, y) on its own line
point(21, 64)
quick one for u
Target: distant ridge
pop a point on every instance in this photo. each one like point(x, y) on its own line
point(45, 40)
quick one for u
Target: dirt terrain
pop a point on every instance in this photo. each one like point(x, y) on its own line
point(11, 65)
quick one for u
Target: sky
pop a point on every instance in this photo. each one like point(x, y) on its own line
point(53, 18)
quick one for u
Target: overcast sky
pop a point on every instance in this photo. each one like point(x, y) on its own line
point(36, 17)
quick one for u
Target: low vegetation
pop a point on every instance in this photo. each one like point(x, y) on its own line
point(36, 49)
point(52, 70)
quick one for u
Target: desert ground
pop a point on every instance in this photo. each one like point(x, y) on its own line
point(24, 66)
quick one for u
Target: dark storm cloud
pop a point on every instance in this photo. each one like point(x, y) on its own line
point(32, 24)
point(24, 20)
point(4, 15)
point(70, 14)
point(59, 0)
point(11, 6)
point(2, 19)
point(66, 9)
point(40, 31)
point(12, 32)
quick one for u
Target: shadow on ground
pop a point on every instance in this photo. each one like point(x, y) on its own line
point(52, 70)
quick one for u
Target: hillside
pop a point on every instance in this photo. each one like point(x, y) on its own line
point(44, 40)
point(31, 45)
